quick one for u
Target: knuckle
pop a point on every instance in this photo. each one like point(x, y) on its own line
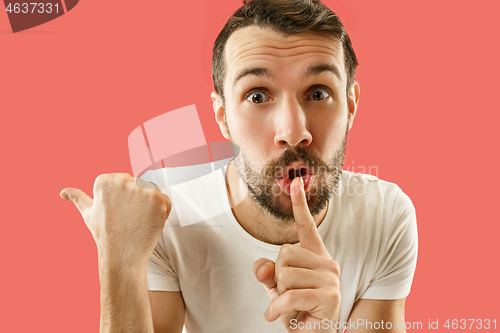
point(291, 296)
point(120, 180)
point(168, 201)
point(334, 296)
point(285, 250)
point(282, 275)
point(333, 280)
point(122, 174)
point(100, 180)
point(288, 297)
point(157, 198)
point(158, 201)
point(336, 283)
point(337, 268)
point(334, 267)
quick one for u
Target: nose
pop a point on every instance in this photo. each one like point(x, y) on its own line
point(290, 125)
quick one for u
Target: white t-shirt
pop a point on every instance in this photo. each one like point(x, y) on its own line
point(369, 230)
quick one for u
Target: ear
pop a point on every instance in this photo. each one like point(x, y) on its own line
point(353, 102)
point(219, 114)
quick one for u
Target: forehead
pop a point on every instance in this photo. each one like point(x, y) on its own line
point(263, 47)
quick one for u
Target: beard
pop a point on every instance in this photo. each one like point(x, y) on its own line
point(268, 195)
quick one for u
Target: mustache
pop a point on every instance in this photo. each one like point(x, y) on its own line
point(290, 155)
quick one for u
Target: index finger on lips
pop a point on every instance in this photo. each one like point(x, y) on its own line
point(307, 231)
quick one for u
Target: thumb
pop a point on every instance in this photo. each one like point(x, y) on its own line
point(81, 200)
point(264, 272)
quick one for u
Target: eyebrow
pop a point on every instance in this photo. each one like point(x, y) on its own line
point(257, 71)
point(264, 72)
point(317, 69)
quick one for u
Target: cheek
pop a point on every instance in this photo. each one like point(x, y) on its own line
point(329, 132)
point(248, 129)
point(244, 125)
point(258, 141)
point(253, 135)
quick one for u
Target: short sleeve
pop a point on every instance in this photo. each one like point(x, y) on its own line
point(395, 268)
point(161, 275)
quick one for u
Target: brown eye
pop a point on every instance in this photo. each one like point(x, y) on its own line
point(318, 94)
point(258, 98)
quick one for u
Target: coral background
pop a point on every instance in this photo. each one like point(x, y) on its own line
point(73, 89)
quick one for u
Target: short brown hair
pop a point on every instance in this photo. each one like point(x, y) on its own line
point(287, 17)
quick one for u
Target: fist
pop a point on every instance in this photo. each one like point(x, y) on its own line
point(304, 283)
point(126, 215)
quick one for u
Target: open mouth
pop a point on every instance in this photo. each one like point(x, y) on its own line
point(285, 180)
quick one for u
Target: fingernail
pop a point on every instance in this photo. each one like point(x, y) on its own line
point(64, 195)
point(301, 184)
point(265, 314)
point(260, 269)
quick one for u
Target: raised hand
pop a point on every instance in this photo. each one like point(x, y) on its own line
point(303, 284)
point(125, 219)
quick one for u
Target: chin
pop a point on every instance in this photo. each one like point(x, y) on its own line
point(279, 205)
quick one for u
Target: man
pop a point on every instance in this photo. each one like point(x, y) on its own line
point(329, 248)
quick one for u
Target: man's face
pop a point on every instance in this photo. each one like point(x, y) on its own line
point(287, 111)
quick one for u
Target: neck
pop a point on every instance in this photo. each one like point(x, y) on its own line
point(254, 219)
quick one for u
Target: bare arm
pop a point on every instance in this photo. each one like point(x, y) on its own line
point(382, 312)
point(125, 305)
point(168, 311)
point(126, 221)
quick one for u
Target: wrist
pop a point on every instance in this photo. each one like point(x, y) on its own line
point(119, 257)
point(119, 278)
point(118, 264)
